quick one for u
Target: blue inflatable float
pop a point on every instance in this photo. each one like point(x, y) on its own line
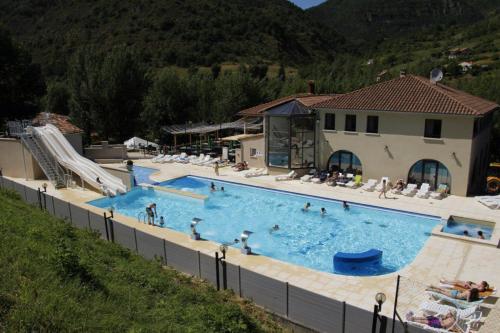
point(357, 263)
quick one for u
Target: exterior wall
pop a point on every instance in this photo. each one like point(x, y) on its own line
point(257, 142)
point(12, 161)
point(76, 141)
point(402, 133)
point(106, 152)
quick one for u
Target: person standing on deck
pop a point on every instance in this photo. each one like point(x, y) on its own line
point(216, 168)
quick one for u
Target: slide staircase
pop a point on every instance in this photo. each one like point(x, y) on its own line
point(59, 148)
point(48, 164)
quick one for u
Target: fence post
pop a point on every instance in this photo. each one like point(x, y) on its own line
point(39, 193)
point(374, 320)
point(383, 324)
point(395, 304)
point(224, 274)
point(106, 226)
point(217, 269)
point(343, 316)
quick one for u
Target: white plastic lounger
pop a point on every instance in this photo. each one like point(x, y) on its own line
point(289, 176)
point(203, 160)
point(169, 159)
point(379, 186)
point(157, 158)
point(211, 162)
point(256, 173)
point(306, 178)
point(434, 308)
point(165, 157)
point(460, 303)
point(370, 185)
point(410, 190)
point(424, 191)
point(492, 202)
point(197, 159)
point(440, 193)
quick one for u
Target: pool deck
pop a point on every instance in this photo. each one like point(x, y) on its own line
point(452, 257)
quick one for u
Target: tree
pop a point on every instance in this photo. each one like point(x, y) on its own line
point(57, 98)
point(107, 92)
point(21, 81)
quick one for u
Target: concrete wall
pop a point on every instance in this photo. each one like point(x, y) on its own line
point(106, 151)
point(13, 163)
point(76, 141)
point(403, 134)
point(257, 142)
point(126, 176)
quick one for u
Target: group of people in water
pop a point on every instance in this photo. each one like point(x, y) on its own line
point(213, 188)
point(322, 211)
point(480, 234)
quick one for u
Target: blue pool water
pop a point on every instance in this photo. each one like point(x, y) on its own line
point(304, 238)
point(458, 228)
point(141, 175)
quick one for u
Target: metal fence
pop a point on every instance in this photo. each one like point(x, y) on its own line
point(302, 307)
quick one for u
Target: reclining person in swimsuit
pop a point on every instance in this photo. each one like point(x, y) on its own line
point(469, 295)
point(446, 322)
point(481, 286)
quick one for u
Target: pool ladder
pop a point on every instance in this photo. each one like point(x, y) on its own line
point(143, 215)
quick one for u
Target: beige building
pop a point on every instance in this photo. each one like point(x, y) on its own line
point(407, 128)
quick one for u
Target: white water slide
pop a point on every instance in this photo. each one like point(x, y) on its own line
point(69, 158)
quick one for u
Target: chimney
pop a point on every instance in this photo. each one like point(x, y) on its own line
point(311, 86)
point(402, 73)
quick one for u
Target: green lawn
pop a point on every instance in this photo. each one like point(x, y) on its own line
point(55, 278)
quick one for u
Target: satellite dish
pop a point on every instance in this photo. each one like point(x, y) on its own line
point(436, 75)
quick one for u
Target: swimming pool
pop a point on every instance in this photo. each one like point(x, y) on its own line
point(303, 238)
point(467, 227)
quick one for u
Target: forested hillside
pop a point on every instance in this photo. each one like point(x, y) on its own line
point(370, 21)
point(170, 32)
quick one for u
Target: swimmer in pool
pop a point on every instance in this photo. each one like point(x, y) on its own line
point(151, 213)
point(480, 234)
point(323, 211)
point(162, 221)
point(306, 207)
point(466, 233)
point(222, 189)
point(274, 228)
point(345, 205)
point(212, 187)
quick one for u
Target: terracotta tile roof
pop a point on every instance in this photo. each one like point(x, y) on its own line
point(410, 94)
point(61, 122)
point(306, 99)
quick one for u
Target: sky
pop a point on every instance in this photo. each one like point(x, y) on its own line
point(307, 3)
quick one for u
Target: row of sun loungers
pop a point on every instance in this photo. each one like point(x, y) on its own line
point(203, 160)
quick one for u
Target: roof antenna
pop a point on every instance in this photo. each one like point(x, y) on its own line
point(436, 75)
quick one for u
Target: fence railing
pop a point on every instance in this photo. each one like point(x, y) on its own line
point(300, 306)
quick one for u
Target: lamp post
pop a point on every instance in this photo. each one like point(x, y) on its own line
point(380, 298)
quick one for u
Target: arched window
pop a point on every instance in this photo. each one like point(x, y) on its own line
point(344, 161)
point(431, 172)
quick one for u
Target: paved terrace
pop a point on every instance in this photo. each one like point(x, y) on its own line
point(450, 257)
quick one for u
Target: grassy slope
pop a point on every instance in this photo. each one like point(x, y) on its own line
point(56, 278)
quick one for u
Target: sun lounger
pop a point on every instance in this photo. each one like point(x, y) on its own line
point(424, 191)
point(157, 158)
point(354, 183)
point(320, 178)
point(256, 173)
point(201, 161)
point(289, 176)
point(169, 159)
point(434, 308)
point(306, 178)
point(492, 202)
point(483, 294)
point(370, 185)
point(460, 325)
point(380, 185)
point(440, 193)
point(410, 190)
point(211, 162)
point(197, 159)
point(460, 303)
